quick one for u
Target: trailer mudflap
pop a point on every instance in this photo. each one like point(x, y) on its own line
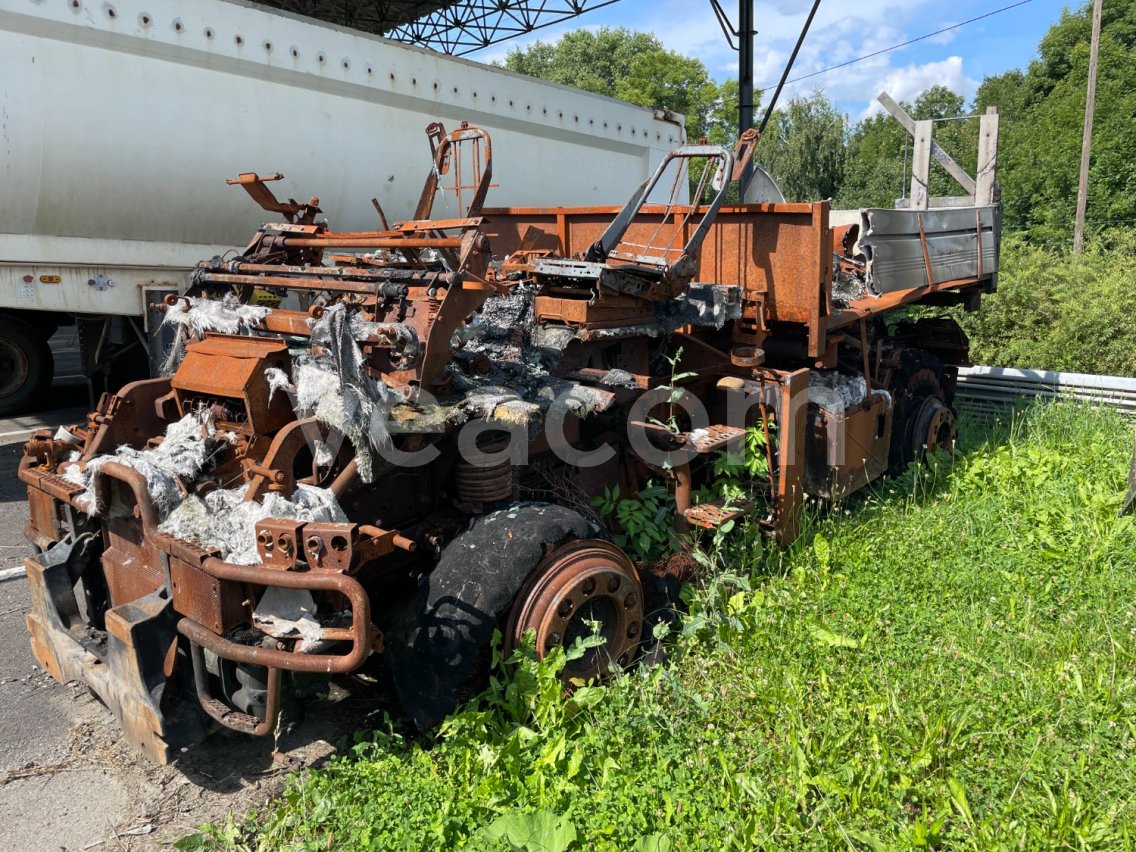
point(125, 666)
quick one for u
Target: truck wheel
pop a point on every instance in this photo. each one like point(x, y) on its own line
point(26, 365)
point(924, 420)
point(577, 586)
point(436, 643)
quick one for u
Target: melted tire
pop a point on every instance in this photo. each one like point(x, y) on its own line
point(918, 378)
point(435, 643)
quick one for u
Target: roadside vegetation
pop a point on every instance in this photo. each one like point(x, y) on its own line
point(1055, 310)
point(948, 661)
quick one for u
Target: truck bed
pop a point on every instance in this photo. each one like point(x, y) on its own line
point(785, 256)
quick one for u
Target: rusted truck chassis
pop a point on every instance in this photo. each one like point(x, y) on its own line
point(489, 375)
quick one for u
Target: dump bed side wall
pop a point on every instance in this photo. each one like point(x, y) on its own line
point(781, 254)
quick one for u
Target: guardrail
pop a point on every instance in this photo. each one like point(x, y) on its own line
point(984, 391)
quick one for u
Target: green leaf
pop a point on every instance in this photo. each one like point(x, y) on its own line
point(826, 637)
point(657, 842)
point(959, 800)
point(822, 551)
point(534, 831)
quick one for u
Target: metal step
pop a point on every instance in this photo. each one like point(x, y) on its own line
point(716, 513)
point(713, 438)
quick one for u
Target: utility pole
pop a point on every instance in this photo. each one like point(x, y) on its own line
point(744, 33)
point(745, 66)
point(1087, 138)
point(745, 79)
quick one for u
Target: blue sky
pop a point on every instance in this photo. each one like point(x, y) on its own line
point(842, 30)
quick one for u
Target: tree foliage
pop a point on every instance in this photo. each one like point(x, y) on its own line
point(1043, 111)
point(815, 152)
point(632, 66)
point(1058, 310)
point(804, 148)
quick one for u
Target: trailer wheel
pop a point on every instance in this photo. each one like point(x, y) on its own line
point(924, 420)
point(534, 554)
point(26, 364)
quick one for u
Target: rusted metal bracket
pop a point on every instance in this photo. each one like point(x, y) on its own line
point(360, 634)
point(743, 154)
point(293, 210)
point(448, 151)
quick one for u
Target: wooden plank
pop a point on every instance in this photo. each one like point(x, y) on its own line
point(987, 157)
point(921, 166)
point(942, 157)
point(938, 202)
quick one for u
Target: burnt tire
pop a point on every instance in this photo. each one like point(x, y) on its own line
point(26, 365)
point(923, 419)
point(436, 642)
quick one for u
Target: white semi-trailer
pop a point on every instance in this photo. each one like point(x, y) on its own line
point(121, 120)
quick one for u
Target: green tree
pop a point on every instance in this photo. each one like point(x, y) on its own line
point(804, 148)
point(722, 122)
point(632, 66)
point(874, 175)
point(1043, 111)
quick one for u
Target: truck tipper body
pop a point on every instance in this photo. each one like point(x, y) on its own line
point(120, 122)
point(411, 460)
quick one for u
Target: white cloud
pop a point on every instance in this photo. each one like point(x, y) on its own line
point(841, 32)
point(906, 84)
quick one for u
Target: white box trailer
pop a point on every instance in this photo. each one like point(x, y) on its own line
point(121, 120)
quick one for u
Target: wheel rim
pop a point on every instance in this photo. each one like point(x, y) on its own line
point(581, 582)
point(934, 427)
point(14, 368)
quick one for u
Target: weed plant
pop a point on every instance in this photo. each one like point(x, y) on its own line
point(948, 661)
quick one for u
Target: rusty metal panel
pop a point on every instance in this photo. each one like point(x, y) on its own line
point(132, 565)
point(43, 517)
point(226, 373)
point(215, 603)
point(780, 254)
point(847, 450)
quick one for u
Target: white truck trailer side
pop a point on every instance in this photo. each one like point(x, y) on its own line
point(121, 120)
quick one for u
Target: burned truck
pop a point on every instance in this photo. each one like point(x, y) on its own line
point(404, 457)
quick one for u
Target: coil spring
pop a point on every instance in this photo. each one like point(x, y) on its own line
point(478, 485)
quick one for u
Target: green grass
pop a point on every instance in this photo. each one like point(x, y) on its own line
point(948, 661)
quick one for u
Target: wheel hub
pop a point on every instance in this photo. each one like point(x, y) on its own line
point(579, 588)
point(14, 368)
point(935, 427)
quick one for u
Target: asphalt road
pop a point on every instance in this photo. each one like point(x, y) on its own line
point(67, 780)
point(39, 800)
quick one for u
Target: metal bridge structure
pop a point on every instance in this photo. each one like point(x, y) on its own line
point(456, 28)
